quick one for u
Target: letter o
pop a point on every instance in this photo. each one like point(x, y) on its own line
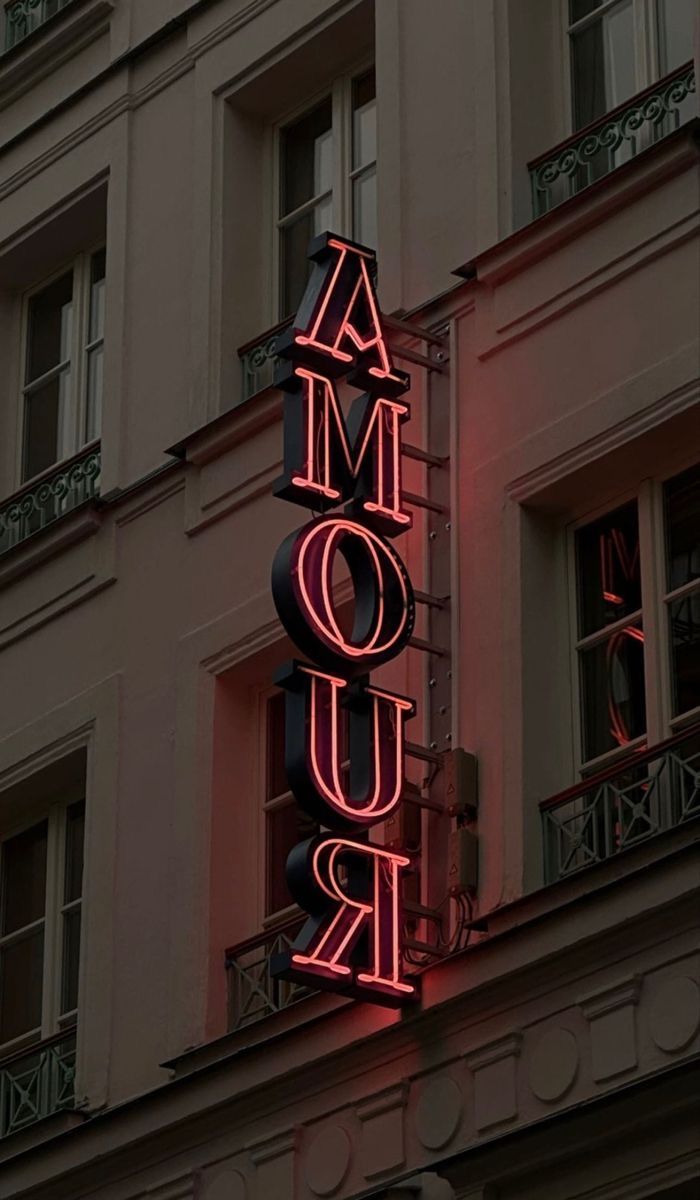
point(302, 577)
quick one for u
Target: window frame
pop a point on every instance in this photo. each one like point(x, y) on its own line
point(655, 598)
point(74, 423)
point(53, 1020)
point(646, 46)
point(341, 195)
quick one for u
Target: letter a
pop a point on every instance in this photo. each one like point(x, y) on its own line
point(337, 328)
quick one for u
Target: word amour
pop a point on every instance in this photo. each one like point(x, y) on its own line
point(349, 886)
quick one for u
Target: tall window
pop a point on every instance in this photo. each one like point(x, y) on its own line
point(327, 179)
point(41, 874)
point(62, 391)
point(633, 687)
point(285, 823)
point(618, 47)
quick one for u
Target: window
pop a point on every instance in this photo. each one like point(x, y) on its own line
point(285, 823)
point(619, 47)
point(41, 871)
point(22, 17)
point(326, 180)
point(62, 390)
point(622, 672)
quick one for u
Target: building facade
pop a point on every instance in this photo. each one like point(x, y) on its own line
point(529, 174)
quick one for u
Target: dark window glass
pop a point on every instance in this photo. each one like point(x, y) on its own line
point(286, 826)
point(50, 327)
point(612, 692)
point(364, 120)
point(75, 829)
point(21, 966)
point(684, 616)
point(295, 267)
point(24, 878)
point(603, 64)
point(307, 158)
point(608, 574)
point(42, 425)
point(581, 8)
point(71, 960)
point(682, 496)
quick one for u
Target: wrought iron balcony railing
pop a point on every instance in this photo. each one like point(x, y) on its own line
point(258, 361)
point(252, 991)
point(22, 17)
point(49, 497)
point(37, 1082)
point(596, 150)
point(641, 796)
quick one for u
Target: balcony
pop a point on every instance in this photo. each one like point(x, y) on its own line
point(23, 17)
point(595, 151)
point(49, 497)
point(258, 361)
point(36, 1083)
point(646, 794)
point(252, 992)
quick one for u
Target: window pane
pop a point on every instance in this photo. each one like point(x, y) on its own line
point(621, 75)
point(581, 8)
point(676, 30)
point(75, 831)
point(93, 416)
point(608, 575)
point(612, 692)
point(97, 296)
point(24, 878)
point(364, 209)
point(50, 327)
point(286, 827)
point(44, 412)
point(682, 496)
point(307, 158)
point(21, 967)
point(588, 67)
point(685, 652)
point(71, 960)
point(294, 265)
point(603, 66)
point(276, 774)
point(364, 121)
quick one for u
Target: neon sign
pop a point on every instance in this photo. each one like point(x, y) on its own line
point(349, 886)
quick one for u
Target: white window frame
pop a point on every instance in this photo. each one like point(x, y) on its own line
point(53, 1021)
point(658, 684)
point(73, 422)
point(647, 50)
point(340, 92)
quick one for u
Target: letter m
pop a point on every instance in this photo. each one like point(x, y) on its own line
point(328, 460)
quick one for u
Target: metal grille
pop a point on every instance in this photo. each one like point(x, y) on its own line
point(22, 17)
point(620, 135)
point(51, 497)
point(37, 1083)
point(253, 993)
point(645, 795)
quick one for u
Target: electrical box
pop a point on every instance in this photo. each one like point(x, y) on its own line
point(461, 784)
point(463, 861)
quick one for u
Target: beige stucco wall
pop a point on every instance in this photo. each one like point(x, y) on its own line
point(145, 629)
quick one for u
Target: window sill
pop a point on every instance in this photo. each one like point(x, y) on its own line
point(60, 37)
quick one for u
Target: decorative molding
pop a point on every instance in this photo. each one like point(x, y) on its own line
point(608, 999)
point(493, 1052)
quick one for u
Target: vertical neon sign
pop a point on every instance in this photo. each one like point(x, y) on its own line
point(350, 887)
